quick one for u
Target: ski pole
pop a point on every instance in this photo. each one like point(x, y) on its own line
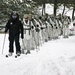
point(3, 43)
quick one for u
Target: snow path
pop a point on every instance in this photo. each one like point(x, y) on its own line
point(56, 57)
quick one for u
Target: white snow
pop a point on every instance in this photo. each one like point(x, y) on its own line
point(56, 57)
point(50, 9)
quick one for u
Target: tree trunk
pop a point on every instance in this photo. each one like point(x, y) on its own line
point(43, 9)
point(73, 12)
point(63, 10)
point(55, 7)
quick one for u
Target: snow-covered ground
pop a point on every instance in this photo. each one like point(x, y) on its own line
point(56, 57)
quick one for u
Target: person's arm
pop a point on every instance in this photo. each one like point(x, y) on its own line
point(7, 26)
point(22, 30)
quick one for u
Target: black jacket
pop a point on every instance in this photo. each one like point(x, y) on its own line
point(14, 27)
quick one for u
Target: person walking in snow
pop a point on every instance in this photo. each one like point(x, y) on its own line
point(15, 27)
point(26, 47)
point(65, 27)
point(74, 25)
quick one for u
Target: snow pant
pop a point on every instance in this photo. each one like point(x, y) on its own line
point(33, 41)
point(50, 33)
point(74, 29)
point(37, 38)
point(43, 35)
point(13, 38)
point(57, 33)
point(26, 44)
point(46, 34)
point(65, 31)
point(54, 33)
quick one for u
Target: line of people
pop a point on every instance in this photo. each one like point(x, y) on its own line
point(35, 30)
point(40, 29)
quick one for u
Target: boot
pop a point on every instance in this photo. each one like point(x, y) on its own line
point(18, 53)
point(28, 52)
point(10, 54)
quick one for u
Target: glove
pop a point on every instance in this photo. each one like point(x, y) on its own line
point(5, 30)
point(37, 25)
point(52, 26)
point(56, 27)
point(22, 36)
point(32, 27)
point(41, 28)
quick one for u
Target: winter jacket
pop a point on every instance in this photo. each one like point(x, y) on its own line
point(14, 27)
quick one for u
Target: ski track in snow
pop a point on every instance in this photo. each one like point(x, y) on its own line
point(56, 57)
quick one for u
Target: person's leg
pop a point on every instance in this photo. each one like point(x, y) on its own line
point(17, 44)
point(11, 41)
point(67, 32)
point(64, 31)
point(28, 47)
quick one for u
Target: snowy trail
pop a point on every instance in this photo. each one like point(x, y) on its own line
point(56, 57)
